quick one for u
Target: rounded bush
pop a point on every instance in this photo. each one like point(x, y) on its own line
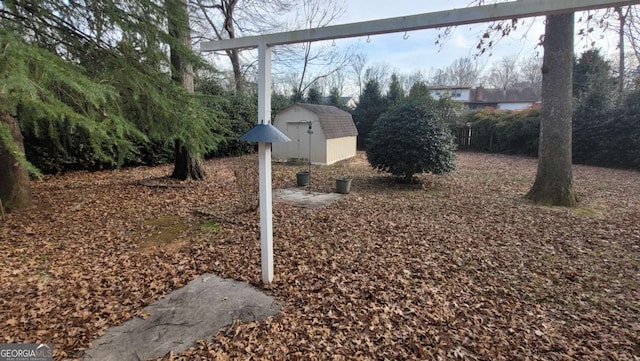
point(409, 139)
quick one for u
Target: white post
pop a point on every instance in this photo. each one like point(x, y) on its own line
point(264, 151)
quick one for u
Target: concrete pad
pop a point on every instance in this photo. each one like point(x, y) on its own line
point(196, 311)
point(304, 199)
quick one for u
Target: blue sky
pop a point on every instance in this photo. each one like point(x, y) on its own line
point(419, 52)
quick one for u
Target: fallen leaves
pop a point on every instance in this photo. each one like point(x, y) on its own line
point(457, 268)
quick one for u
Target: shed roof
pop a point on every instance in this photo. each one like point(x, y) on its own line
point(335, 122)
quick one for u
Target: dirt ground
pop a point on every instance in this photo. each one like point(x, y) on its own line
point(459, 266)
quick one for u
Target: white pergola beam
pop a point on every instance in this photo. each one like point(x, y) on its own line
point(470, 15)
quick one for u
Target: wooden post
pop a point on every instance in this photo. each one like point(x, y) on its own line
point(264, 151)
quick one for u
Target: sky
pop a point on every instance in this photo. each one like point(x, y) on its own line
point(419, 52)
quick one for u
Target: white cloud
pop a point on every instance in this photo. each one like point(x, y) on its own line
point(461, 42)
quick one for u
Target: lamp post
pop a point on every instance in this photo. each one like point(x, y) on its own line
point(310, 132)
point(265, 134)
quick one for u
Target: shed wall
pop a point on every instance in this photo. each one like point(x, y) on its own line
point(340, 148)
point(294, 122)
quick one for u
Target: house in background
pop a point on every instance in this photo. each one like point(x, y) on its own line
point(504, 99)
point(348, 102)
point(332, 137)
point(461, 94)
point(478, 98)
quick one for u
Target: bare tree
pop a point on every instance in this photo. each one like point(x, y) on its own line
point(408, 80)
point(633, 30)
point(531, 71)
point(438, 76)
point(228, 19)
point(358, 63)
point(338, 80)
point(379, 72)
point(623, 13)
point(504, 73)
point(462, 72)
point(315, 60)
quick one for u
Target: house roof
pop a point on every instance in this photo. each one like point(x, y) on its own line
point(512, 95)
point(448, 87)
point(335, 122)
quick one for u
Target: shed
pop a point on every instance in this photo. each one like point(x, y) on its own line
point(333, 136)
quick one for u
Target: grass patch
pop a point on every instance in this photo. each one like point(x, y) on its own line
point(161, 231)
point(210, 226)
point(588, 212)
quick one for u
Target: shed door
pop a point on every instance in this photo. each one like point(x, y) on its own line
point(299, 145)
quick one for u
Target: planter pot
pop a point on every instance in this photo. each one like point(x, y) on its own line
point(302, 178)
point(343, 185)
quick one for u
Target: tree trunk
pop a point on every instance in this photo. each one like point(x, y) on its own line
point(554, 180)
point(622, 18)
point(237, 70)
point(14, 178)
point(187, 165)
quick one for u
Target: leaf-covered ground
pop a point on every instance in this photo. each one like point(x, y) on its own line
point(455, 267)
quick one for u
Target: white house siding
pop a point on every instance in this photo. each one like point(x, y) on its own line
point(514, 106)
point(461, 94)
point(340, 149)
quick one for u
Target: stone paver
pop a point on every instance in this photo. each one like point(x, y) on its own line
point(195, 311)
point(301, 198)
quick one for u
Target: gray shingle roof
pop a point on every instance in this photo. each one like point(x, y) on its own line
point(528, 94)
point(335, 122)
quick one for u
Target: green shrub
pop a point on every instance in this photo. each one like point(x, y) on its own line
point(236, 112)
point(483, 127)
point(409, 139)
point(518, 133)
point(607, 134)
point(509, 132)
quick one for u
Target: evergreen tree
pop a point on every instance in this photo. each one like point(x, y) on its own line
point(296, 95)
point(419, 90)
point(14, 178)
point(278, 102)
point(314, 96)
point(371, 105)
point(591, 72)
point(188, 164)
point(50, 96)
point(101, 86)
point(334, 97)
point(395, 93)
